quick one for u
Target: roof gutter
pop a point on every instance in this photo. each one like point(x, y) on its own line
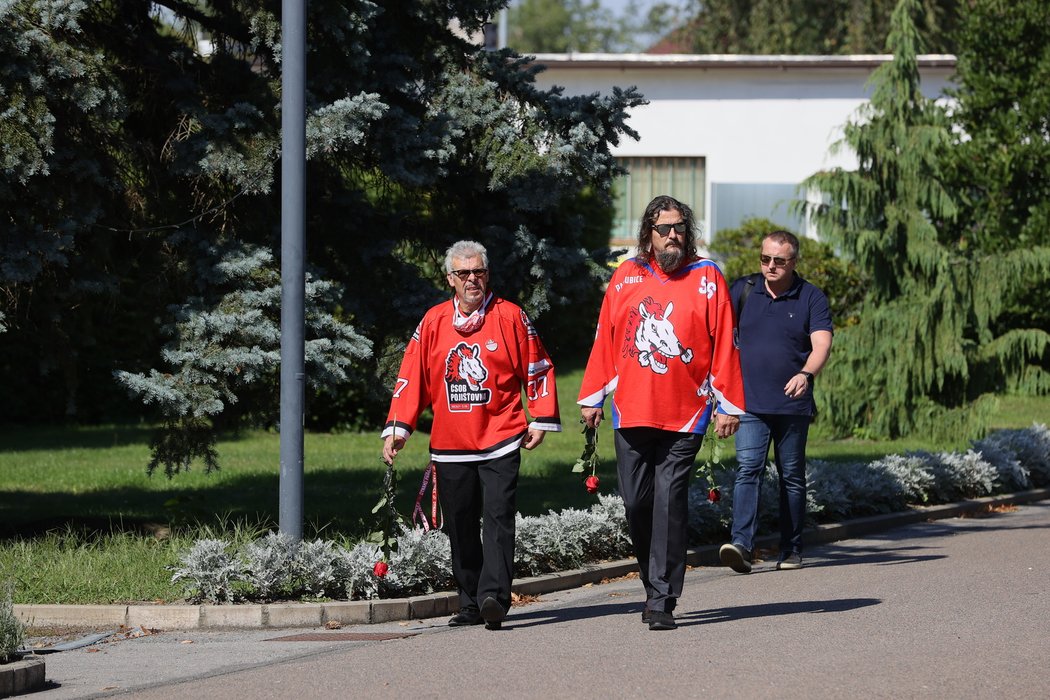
point(641, 61)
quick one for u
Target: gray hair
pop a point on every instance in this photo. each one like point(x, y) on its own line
point(465, 249)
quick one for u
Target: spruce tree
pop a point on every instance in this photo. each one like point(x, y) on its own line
point(926, 354)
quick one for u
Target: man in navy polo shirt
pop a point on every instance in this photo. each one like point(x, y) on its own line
point(785, 338)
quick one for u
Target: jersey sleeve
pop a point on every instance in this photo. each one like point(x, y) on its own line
point(726, 378)
point(599, 377)
point(541, 392)
point(410, 391)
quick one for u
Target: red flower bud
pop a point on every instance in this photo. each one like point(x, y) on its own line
point(714, 496)
point(591, 483)
point(380, 569)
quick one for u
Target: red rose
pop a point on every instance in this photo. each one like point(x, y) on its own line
point(714, 496)
point(591, 483)
point(380, 569)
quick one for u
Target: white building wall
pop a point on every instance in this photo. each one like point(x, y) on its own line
point(768, 120)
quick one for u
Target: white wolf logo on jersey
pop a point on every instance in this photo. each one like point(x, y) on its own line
point(464, 374)
point(655, 342)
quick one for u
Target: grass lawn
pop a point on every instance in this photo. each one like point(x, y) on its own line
point(95, 476)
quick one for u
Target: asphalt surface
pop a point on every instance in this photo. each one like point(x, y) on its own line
point(954, 608)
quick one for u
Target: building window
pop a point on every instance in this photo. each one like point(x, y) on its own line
point(732, 203)
point(682, 178)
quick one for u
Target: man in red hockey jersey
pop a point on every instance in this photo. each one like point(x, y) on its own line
point(469, 359)
point(665, 346)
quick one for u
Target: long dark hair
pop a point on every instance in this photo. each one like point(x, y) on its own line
point(652, 213)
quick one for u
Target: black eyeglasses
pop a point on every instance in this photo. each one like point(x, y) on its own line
point(665, 229)
point(465, 274)
point(781, 262)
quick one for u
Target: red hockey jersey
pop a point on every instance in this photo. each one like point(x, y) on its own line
point(473, 382)
point(665, 344)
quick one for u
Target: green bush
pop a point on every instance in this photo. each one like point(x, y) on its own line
point(737, 249)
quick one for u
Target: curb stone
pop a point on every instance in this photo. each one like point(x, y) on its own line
point(285, 615)
point(23, 676)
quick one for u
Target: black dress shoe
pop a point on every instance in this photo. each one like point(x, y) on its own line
point(466, 616)
point(493, 613)
point(647, 615)
point(662, 621)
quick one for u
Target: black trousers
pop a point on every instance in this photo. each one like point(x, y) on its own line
point(479, 502)
point(654, 467)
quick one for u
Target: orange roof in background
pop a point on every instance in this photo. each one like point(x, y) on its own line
point(676, 41)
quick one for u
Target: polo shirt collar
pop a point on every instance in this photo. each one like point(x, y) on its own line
point(793, 291)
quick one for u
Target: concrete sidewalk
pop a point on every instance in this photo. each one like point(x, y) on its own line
point(932, 609)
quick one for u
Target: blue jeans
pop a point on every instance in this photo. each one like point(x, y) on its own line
point(788, 434)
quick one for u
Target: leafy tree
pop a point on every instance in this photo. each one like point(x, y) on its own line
point(839, 278)
point(1000, 164)
point(141, 215)
point(926, 355)
point(801, 27)
point(1002, 159)
point(585, 26)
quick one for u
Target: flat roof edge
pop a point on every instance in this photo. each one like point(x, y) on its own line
point(644, 60)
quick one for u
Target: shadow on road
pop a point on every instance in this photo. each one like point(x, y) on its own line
point(548, 617)
point(740, 612)
point(831, 555)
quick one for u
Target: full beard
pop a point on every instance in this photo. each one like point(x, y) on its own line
point(670, 258)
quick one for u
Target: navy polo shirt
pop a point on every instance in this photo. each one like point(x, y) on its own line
point(774, 342)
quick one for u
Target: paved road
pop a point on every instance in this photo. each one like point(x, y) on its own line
point(953, 608)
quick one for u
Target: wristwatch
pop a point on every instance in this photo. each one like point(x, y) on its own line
point(807, 375)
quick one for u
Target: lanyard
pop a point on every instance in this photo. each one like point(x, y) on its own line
point(418, 510)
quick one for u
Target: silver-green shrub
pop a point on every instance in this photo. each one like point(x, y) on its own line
point(1021, 456)
point(566, 540)
point(268, 565)
point(911, 473)
point(616, 539)
point(1011, 473)
point(958, 476)
point(589, 532)
point(855, 489)
point(12, 631)
point(541, 545)
point(421, 563)
point(353, 570)
point(209, 572)
point(706, 516)
point(315, 567)
point(571, 538)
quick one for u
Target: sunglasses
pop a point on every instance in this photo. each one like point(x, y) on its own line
point(781, 262)
point(665, 229)
point(465, 274)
